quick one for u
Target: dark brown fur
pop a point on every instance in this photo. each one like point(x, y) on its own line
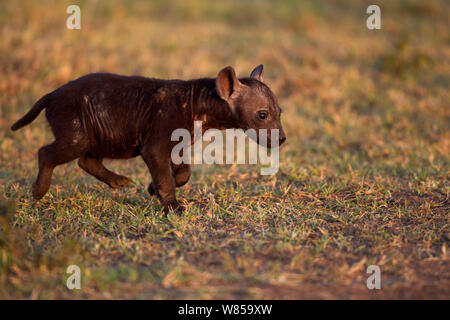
point(102, 116)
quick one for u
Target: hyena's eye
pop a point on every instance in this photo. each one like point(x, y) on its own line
point(262, 115)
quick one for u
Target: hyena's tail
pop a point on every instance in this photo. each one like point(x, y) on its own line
point(32, 114)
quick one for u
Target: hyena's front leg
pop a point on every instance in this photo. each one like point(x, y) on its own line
point(180, 172)
point(158, 163)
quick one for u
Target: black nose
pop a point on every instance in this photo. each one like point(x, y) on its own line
point(282, 139)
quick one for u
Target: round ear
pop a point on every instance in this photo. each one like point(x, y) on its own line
point(257, 73)
point(227, 83)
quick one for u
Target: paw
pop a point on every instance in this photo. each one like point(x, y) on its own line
point(174, 206)
point(118, 182)
point(38, 193)
point(152, 189)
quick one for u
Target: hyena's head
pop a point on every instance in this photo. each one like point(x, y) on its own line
point(253, 104)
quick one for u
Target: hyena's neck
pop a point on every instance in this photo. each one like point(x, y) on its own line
point(208, 107)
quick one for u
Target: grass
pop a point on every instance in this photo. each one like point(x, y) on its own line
point(364, 176)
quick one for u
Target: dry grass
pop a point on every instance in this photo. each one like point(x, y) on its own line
point(364, 175)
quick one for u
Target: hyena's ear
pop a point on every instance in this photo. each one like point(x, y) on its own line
point(227, 83)
point(257, 73)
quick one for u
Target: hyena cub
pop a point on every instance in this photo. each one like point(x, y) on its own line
point(103, 115)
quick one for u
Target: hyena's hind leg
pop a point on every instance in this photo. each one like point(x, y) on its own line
point(94, 167)
point(49, 157)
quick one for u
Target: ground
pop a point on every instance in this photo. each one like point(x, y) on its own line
point(363, 179)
